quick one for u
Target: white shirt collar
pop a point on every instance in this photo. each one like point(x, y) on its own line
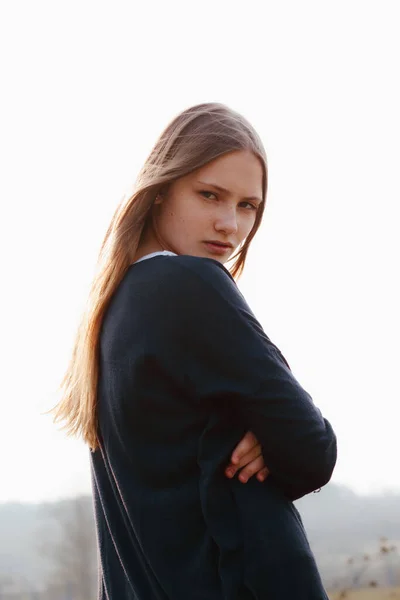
point(158, 253)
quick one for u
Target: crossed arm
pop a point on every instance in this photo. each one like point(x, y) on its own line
point(228, 361)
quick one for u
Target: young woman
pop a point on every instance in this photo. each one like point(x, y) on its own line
point(172, 378)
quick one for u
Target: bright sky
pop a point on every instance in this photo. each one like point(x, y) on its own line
point(87, 87)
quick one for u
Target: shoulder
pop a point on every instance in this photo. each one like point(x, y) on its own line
point(196, 267)
point(182, 273)
point(167, 298)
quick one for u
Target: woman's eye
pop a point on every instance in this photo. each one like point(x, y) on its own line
point(252, 206)
point(206, 194)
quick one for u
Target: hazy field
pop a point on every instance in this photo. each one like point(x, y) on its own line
point(368, 594)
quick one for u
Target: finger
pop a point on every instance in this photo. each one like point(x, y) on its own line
point(249, 457)
point(263, 474)
point(245, 460)
point(251, 469)
point(248, 441)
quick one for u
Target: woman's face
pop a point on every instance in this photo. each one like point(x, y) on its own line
point(216, 203)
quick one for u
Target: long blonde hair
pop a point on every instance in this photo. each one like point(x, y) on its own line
point(194, 138)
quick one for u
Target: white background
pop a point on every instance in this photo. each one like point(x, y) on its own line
point(86, 88)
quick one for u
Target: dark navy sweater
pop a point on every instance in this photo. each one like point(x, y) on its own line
point(185, 371)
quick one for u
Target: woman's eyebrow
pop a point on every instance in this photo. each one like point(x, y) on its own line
point(221, 189)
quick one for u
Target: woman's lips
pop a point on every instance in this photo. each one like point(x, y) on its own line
point(217, 248)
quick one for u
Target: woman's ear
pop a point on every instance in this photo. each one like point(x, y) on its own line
point(162, 194)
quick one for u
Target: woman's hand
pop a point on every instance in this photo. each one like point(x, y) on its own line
point(248, 457)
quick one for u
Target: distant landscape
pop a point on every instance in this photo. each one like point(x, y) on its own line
point(50, 548)
point(366, 594)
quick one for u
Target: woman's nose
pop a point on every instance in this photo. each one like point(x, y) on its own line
point(227, 222)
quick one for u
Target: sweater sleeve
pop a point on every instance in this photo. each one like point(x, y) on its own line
point(228, 358)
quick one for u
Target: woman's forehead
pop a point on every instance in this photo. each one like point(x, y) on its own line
point(241, 172)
